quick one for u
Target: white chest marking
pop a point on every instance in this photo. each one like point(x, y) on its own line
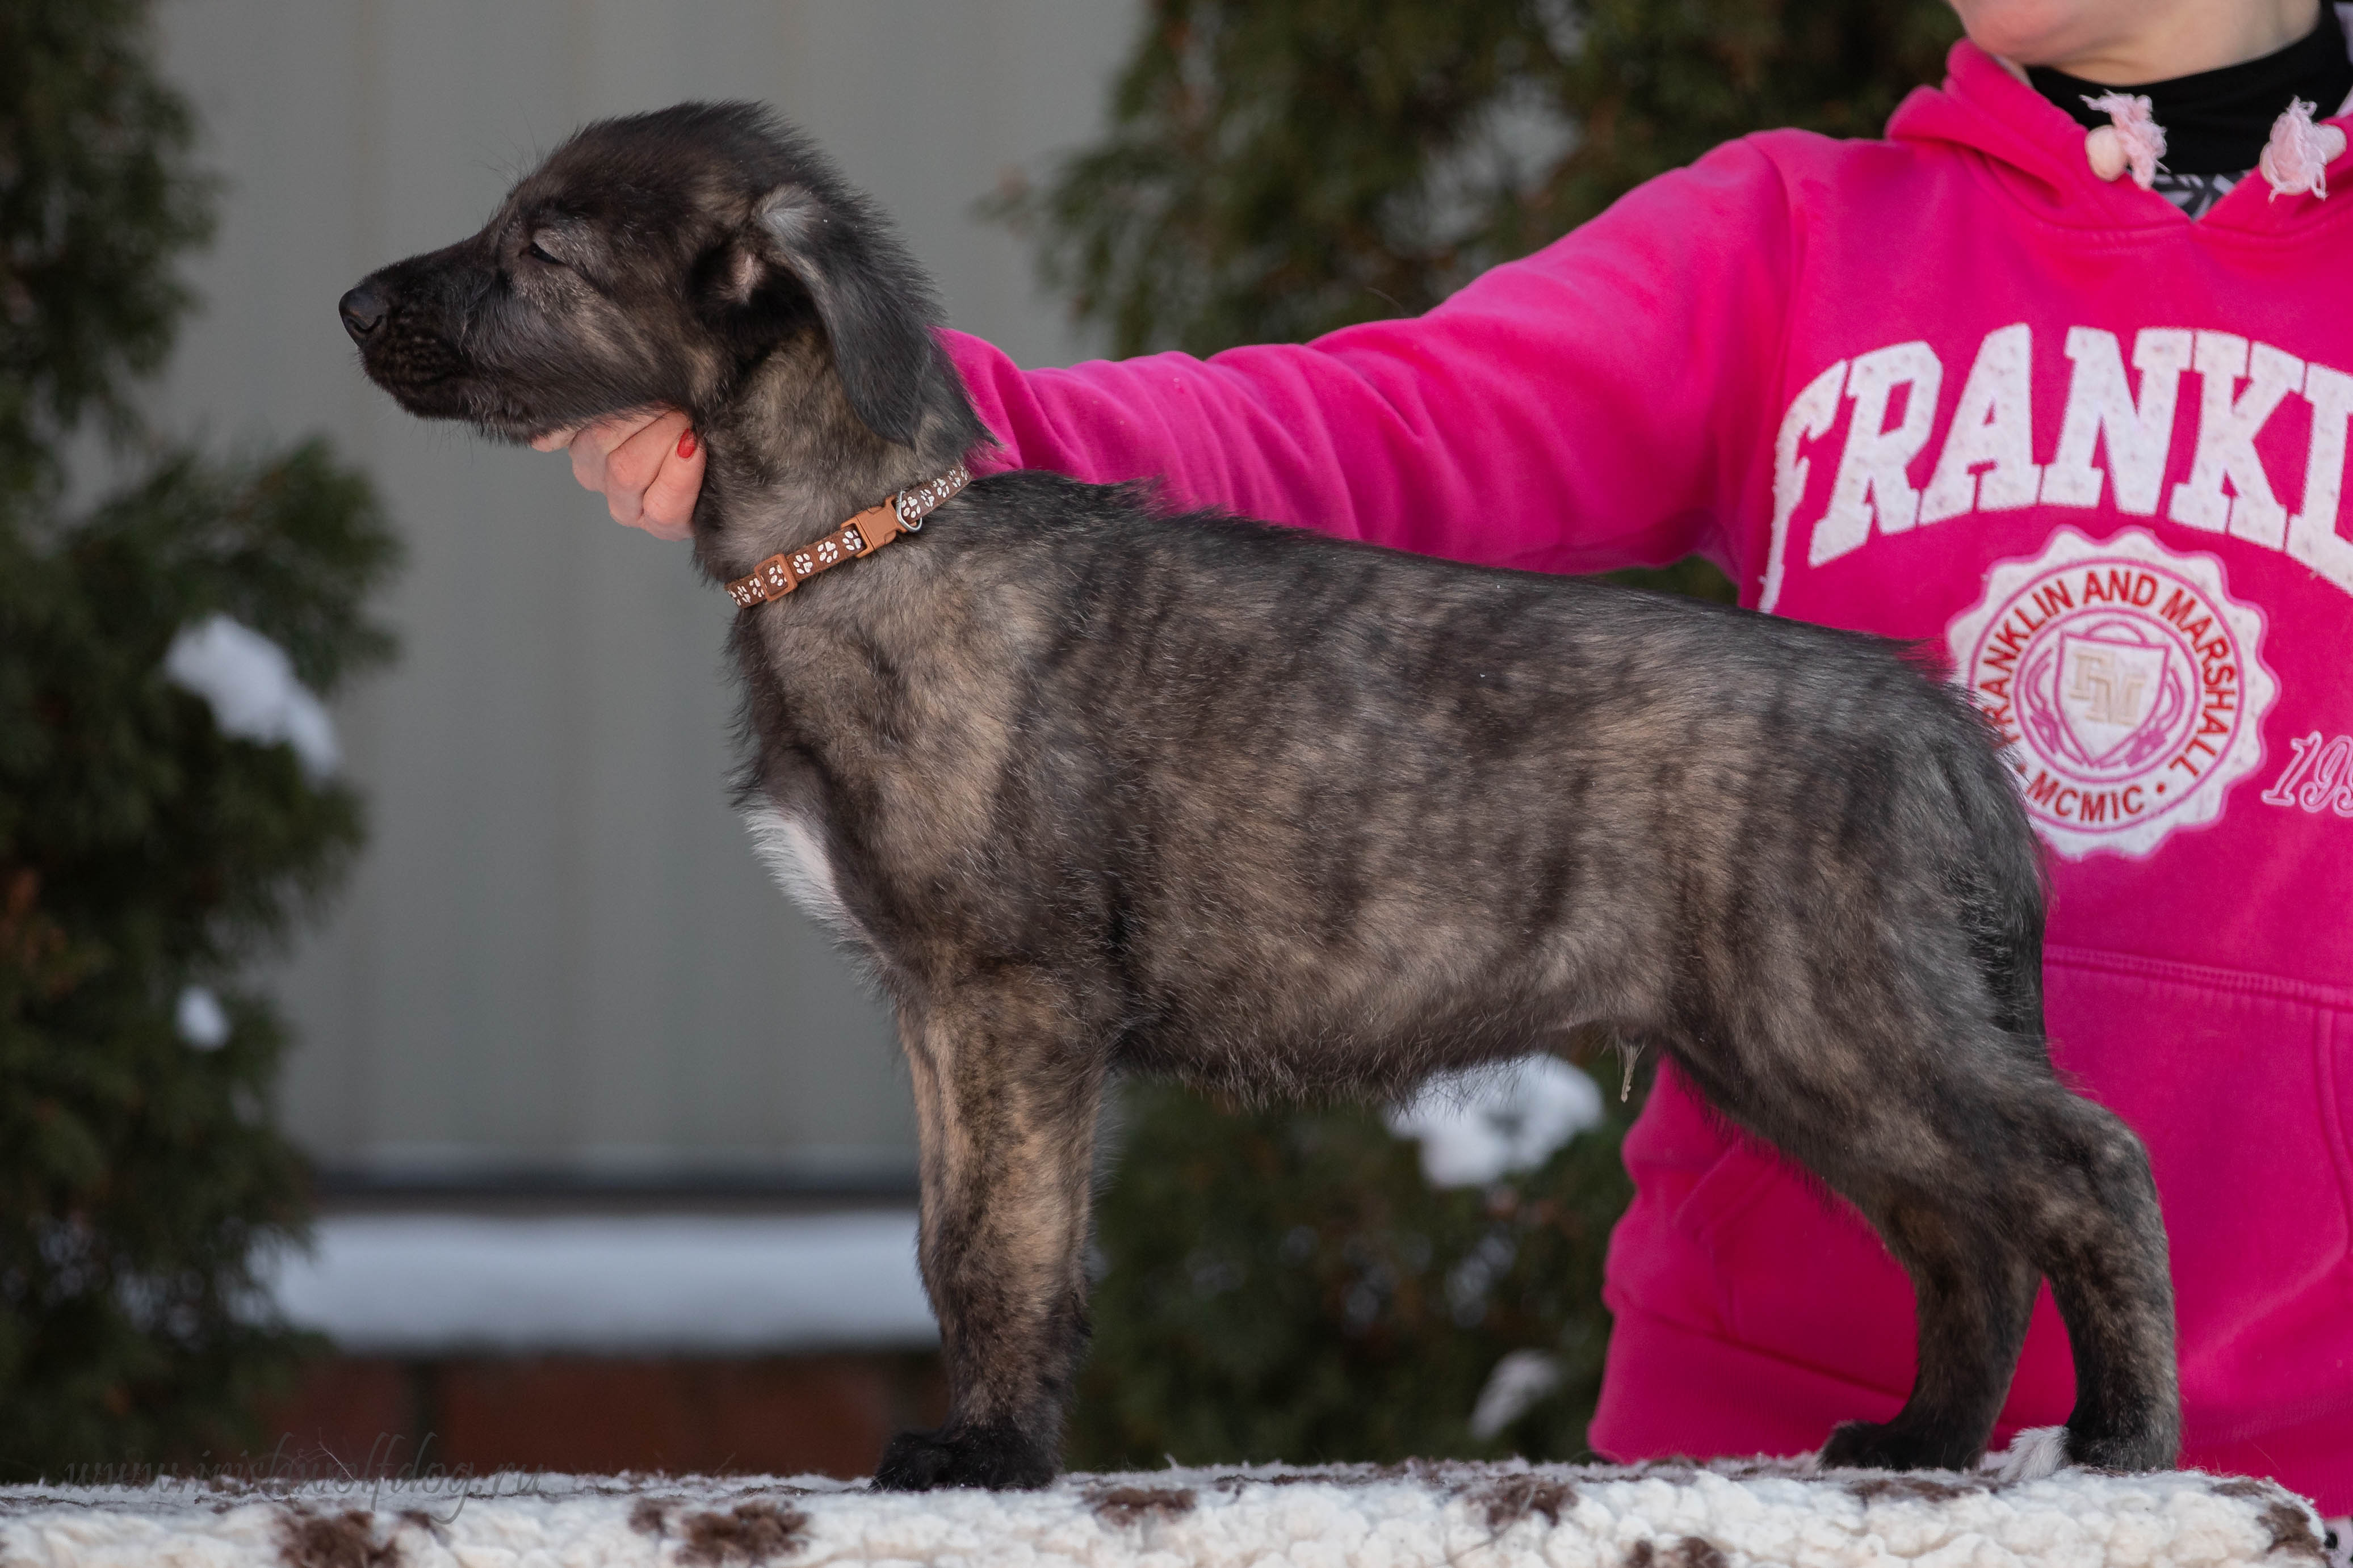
point(795, 854)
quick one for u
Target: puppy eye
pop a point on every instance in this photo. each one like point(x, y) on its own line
point(540, 253)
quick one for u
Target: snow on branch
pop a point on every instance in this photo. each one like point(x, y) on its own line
point(249, 682)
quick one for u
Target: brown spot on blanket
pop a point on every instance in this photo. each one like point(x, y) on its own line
point(748, 1532)
point(1691, 1551)
point(1133, 1505)
point(1913, 1488)
point(2292, 1532)
point(347, 1540)
point(1511, 1498)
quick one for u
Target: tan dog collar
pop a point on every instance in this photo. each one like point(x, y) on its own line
point(864, 534)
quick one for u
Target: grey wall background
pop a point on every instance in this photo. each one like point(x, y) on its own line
point(558, 955)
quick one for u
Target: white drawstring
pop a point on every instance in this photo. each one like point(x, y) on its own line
point(2295, 159)
point(2298, 156)
point(2132, 139)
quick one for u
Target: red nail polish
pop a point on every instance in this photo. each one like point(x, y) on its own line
point(686, 445)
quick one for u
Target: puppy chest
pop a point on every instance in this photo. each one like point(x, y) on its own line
point(792, 847)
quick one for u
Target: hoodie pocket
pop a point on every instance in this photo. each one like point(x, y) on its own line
point(2239, 1085)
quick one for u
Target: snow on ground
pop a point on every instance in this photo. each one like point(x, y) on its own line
point(408, 1284)
point(1460, 1515)
point(431, 1283)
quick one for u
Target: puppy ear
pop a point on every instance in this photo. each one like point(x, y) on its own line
point(872, 301)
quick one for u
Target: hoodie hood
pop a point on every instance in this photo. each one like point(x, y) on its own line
point(2035, 151)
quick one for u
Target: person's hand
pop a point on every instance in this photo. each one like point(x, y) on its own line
point(648, 466)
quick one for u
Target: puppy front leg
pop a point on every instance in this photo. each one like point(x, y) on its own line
point(1006, 1087)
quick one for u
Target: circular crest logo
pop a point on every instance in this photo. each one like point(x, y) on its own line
point(2127, 684)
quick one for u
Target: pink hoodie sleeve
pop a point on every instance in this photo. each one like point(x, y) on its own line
point(1590, 407)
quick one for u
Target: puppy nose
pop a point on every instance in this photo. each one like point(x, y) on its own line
point(363, 311)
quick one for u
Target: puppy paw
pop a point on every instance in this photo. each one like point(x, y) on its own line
point(1868, 1446)
point(999, 1458)
point(2130, 1451)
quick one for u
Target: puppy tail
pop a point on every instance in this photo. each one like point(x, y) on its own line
point(2002, 879)
point(2013, 962)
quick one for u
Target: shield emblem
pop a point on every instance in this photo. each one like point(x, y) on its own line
point(2109, 688)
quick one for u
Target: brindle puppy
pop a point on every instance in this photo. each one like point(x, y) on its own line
point(1095, 788)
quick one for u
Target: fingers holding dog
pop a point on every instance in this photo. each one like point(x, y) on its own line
point(647, 464)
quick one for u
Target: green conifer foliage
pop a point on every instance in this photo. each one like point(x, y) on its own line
point(95, 200)
point(142, 850)
point(1275, 1285)
point(1279, 168)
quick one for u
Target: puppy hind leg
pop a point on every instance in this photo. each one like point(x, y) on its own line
point(1975, 1292)
point(1893, 1152)
point(1006, 1092)
point(2101, 1241)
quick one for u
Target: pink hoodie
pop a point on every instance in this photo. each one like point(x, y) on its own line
point(1949, 386)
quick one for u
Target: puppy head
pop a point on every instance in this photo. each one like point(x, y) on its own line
point(662, 258)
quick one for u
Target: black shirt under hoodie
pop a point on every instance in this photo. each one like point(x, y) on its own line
point(2216, 122)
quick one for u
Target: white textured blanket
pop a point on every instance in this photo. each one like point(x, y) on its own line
point(1720, 1515)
